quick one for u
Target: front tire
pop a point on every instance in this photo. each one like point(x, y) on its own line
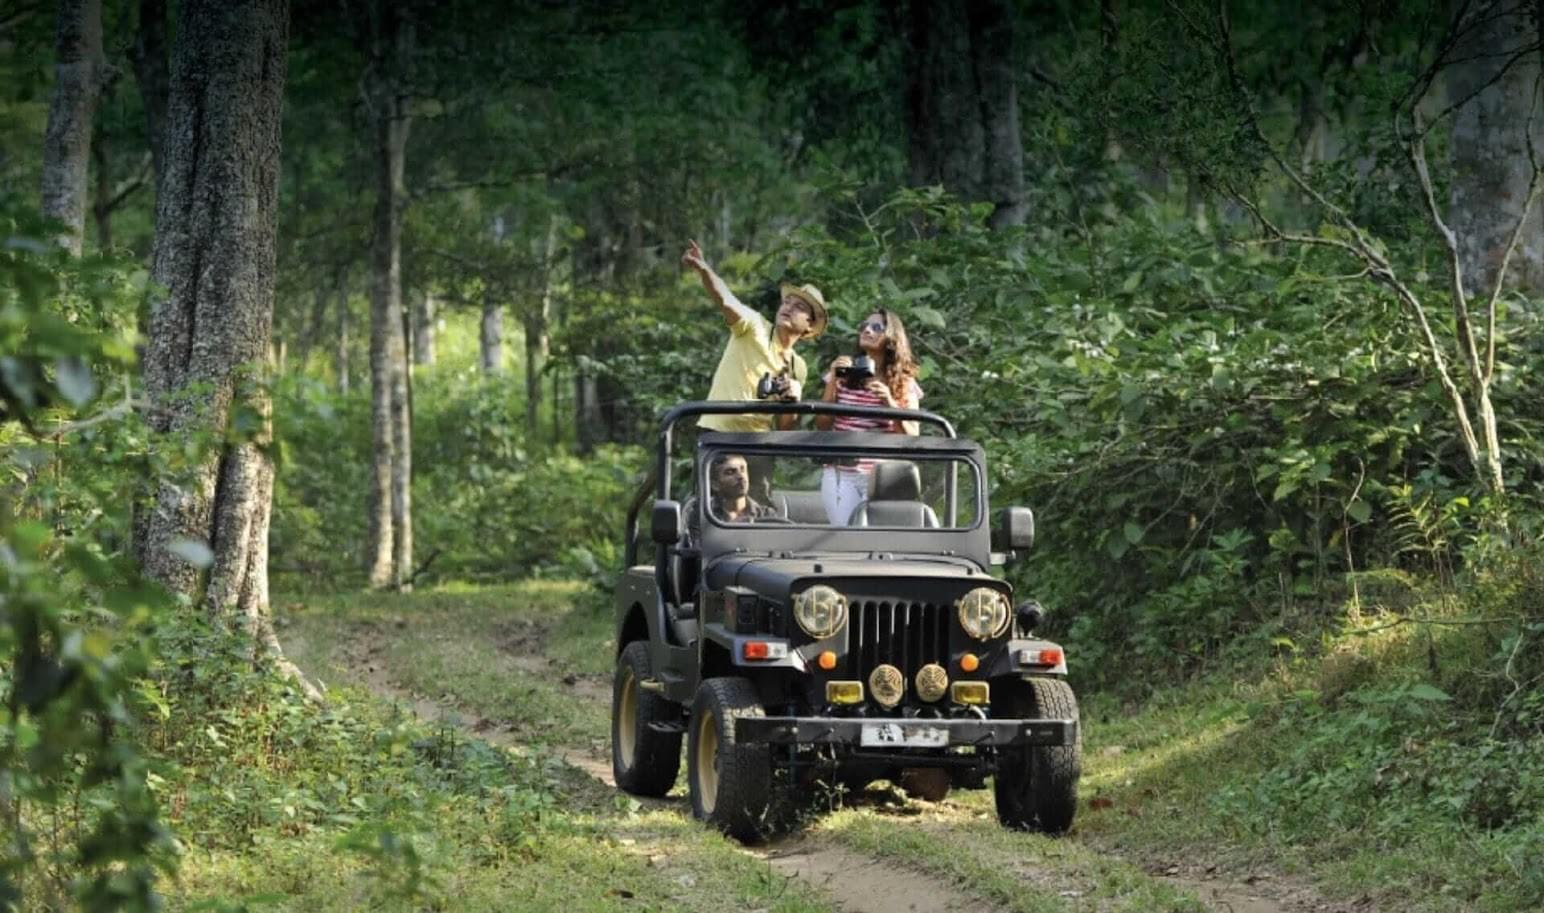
point(644, 760)
point(730, 782)
point(1037, 786)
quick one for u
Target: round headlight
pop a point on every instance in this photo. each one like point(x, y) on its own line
point(820, 611)
point(984, 613)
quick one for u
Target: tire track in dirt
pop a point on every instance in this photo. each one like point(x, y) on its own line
point(855, 882)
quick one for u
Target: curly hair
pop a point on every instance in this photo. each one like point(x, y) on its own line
point(900, 368)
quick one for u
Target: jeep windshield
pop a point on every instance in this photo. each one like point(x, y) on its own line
point(839, 489)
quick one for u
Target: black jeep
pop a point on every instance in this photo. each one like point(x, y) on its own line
point(793, 652)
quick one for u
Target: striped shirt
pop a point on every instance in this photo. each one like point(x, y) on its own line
point(849, 396)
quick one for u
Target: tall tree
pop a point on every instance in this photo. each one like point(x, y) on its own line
point(962, 103)
point(1494, 79)
point(537, 341)
point(211, 316)
point(78, 69)
point(490, 336)
point(424, 317)
point(388, 548)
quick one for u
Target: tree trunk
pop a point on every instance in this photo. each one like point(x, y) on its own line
point(67, 141)
point(150, 65)
point(390, 35)
point(423, 329)
point(209, 331)
point(962, 104)
point(587, 417)
point(943, 114)
point(341, 356)
point(387, 347)
point(491, 335)
point(1490, 147)
point(402, 467)
point(314, 326)
point(102, 205)
point(993, 49)
point(537, 345)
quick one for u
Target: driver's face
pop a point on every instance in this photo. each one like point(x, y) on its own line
point(731, 478)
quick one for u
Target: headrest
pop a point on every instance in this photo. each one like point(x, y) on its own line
point(895, 480)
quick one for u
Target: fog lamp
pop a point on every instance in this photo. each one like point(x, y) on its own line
point(932, 682)
point(887, 685)
point(844, 692)
point(970, 693)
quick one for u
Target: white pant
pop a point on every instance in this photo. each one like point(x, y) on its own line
point(842, 490)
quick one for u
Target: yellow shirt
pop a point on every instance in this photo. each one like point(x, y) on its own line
point(751, 352)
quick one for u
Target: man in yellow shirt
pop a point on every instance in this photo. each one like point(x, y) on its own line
point(757, 347)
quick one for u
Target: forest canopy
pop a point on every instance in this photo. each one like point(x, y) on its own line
point(1242, 298)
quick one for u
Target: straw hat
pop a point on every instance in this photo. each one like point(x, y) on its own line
point(811, 296)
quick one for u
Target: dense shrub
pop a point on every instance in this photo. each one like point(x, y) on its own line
point(486, 504)
point(1212, 434)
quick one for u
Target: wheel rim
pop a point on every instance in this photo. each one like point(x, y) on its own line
point(707, 763)
point(627, 720)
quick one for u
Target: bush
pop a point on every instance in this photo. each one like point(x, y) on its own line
point(1211, 435)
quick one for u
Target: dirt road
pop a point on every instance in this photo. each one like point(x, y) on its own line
point(855, 866)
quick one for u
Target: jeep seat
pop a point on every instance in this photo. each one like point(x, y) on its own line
point(800, 506)
point(895, 498)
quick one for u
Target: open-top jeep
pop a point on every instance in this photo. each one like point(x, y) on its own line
point(791, 652)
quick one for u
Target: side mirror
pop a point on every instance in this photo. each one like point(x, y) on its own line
point(1015, 531)
point(665, 522)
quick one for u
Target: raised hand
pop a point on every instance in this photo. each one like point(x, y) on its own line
point(693, 258)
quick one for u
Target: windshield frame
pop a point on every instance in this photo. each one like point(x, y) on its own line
point(709, 451)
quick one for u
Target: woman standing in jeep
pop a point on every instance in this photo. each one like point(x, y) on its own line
point(892, 382)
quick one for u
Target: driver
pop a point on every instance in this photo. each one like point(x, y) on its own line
point(729, 482)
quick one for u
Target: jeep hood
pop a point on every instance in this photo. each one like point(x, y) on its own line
point(777, 576)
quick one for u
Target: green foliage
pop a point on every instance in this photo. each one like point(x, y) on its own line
point(1210, 435)
point(487, 505)
point(81, 822)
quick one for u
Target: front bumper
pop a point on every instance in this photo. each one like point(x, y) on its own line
point(820, 730)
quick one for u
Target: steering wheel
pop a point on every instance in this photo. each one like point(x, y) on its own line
point(774, 518)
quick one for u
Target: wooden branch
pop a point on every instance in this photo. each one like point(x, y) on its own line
point(113, 413)
point(1415, 151)
point(413, 577)
point(130, 185)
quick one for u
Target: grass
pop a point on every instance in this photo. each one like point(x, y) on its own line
point(996, 864)
point(454, 645)
point(1271, 775)
point(524, 655)
point(359, 805)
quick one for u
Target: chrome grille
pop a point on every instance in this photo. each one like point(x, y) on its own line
point(907, 635)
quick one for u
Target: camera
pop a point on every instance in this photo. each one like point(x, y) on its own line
point(775, 386)
point(857, 375)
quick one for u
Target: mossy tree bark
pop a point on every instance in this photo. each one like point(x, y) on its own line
point(78, 75)
point(211, 315)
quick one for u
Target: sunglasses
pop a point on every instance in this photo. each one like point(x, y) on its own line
point(875, 325)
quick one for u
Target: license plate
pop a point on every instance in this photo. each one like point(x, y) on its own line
point(903, 735)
